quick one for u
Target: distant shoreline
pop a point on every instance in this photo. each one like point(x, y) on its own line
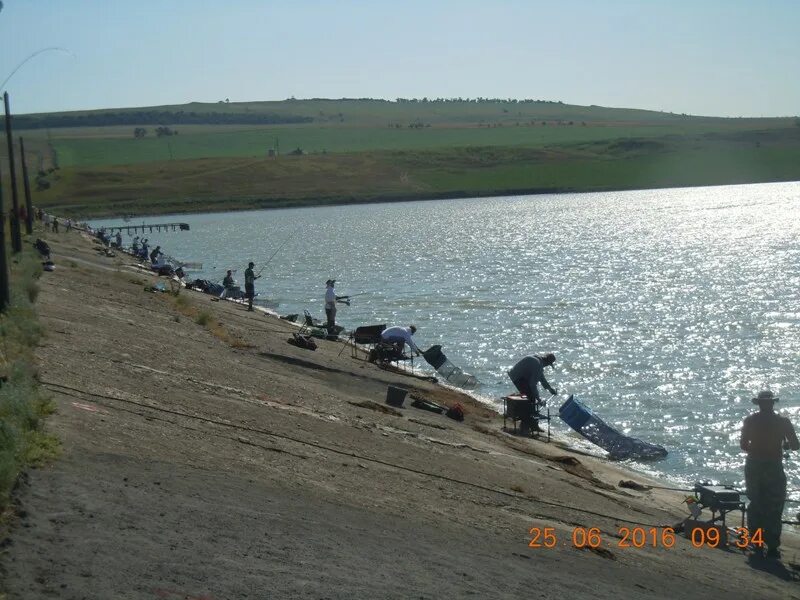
point(278, 204)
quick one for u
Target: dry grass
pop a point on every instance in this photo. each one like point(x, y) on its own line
point(204, 318)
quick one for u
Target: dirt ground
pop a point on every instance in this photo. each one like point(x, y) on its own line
point(221, 462)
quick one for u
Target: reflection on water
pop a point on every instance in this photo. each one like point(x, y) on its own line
point(667, 309)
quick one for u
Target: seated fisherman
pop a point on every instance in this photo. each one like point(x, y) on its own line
point(400, 336)
point(154, 254)
point(228, 282)
point(526, 376)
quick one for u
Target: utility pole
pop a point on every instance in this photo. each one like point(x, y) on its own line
point(4, 292)
point(16, 237)
point(27, 184)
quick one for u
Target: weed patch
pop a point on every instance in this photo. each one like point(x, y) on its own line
point(23, 402)
point(204, 318)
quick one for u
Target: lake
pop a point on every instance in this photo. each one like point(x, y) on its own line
point(667, 309)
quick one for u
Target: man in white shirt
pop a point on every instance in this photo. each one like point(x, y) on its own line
point(401, 336)
point(330, 304)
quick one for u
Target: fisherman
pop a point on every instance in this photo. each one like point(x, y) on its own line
point(526, 376)
point(154, 254)
point(765, 435)
point(145, 250)
point(119, 240)
point(330, 305)
point(250, 284)
point(228, 283)
point(400, 336)
point(135, 245)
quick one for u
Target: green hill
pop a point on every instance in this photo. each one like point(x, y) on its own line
point(219, 156)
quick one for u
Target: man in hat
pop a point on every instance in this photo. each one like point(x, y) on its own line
point(765, 435)
point(526, 376)
point(250, 284)
point(400, 336)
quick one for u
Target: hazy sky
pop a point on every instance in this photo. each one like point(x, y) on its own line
point(726, 57)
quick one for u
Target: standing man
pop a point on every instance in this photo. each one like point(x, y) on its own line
point(526, 376)
point(330, 305)
point(765, 435)
point(250, 284)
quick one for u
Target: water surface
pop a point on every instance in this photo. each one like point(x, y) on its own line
point(667, 309)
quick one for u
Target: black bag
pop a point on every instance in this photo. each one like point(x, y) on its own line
point(302, 341)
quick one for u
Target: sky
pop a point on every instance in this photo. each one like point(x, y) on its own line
point(724, 58)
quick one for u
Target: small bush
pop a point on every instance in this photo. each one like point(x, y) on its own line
point(204, 318)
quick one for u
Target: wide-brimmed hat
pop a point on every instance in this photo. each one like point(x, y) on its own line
point(765, 396)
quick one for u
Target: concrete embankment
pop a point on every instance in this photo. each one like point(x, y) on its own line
point(208, 458)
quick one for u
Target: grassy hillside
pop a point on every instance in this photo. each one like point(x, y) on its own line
point(100, 151)
point(355, 150)
point(372, 112)
point(237, 183)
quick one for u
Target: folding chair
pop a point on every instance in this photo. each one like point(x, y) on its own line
point(519, 408)
point(309, 323)
point(389, 352)
point(318, 328)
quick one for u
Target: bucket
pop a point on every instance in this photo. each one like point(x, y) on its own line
point(395, 396)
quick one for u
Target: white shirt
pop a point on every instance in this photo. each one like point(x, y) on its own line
point(330, 297)
point(398, 332)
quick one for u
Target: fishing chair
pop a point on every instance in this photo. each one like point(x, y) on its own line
point(309, 323)
point(318, 328)
point(385, 353)
point(519, 409)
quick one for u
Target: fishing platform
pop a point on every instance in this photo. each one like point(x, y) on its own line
point(148, 227)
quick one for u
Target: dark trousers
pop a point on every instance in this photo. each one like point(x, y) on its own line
point(766, 489)
point(249, 292)
point(330, 313)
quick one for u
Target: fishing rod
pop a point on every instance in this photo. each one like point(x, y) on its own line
point(352, 296)
point(286, 241)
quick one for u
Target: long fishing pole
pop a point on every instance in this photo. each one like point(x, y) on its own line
point(353, 295)
point(286, 241)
